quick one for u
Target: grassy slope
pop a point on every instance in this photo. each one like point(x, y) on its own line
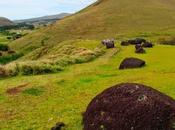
point(5, 21)
point(64, 96)
point(63, 48)
point(3, 38)
point(109, 18)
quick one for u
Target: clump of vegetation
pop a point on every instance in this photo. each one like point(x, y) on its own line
point(18, 26)
point(30, 68)
point(43, 41)
point(7, 55)
point(81, 57)
point(47, 59)
point(4, 47)
point(16, 36)
point(167, 40)
point(45, 66)
point(36, 69)
point(9, 58)
point(33, 91)
point(2, 72)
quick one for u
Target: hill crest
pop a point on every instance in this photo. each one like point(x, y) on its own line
point(5, 22)
point(44, 19)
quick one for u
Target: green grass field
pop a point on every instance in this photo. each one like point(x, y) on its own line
point(38, 102)
point(3, 39)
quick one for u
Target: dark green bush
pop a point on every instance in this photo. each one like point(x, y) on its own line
point(45, 69)
point(8, 58)
point(17, 26)
point(26, 70)
point(17, 36)
point(167, 41)
point(9, 37)
point(35, 69)
point(4, 47)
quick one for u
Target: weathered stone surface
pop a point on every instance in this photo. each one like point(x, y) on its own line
point(125, 43)
point(130, 106)
point(137, 41)
point(128, 63)
point(109, 43)
point(147, 45)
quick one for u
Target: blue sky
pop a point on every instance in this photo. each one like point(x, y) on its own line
point(22, 9)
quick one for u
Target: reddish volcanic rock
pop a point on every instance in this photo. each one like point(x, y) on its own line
point(129, 63)
point(130, 106)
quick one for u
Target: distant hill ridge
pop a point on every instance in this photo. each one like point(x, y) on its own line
point(42, 19)
point(5, 22)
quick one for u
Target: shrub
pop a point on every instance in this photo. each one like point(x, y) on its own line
point(35, 68)
point(44, 69)
point(17, 36)
point(8, 58)
point(30, 68)
point(2, 72)
point(167, 40)
point(42, 63)
point(26, 70)
point(4, 47)
point(12, 69)
point(9, 38)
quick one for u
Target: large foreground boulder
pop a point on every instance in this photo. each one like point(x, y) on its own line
point(130, 107)
point(129, 63)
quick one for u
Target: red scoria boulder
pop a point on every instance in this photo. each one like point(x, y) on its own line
point(147, 45)
point(129, 63)
point(130, 106)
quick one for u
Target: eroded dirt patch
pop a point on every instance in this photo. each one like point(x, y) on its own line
point(16, 90)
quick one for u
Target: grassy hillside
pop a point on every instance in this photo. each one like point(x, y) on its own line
point(38, 102)
point(5, 21)
point(107, 18)
point(3, 38)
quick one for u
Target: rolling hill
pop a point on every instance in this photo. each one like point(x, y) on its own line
point(5, 22)
point(43, 20)
point(104, 19)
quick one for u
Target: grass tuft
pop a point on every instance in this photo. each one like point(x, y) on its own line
point(9, 58)
point(167, 40)
point(33, 91)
